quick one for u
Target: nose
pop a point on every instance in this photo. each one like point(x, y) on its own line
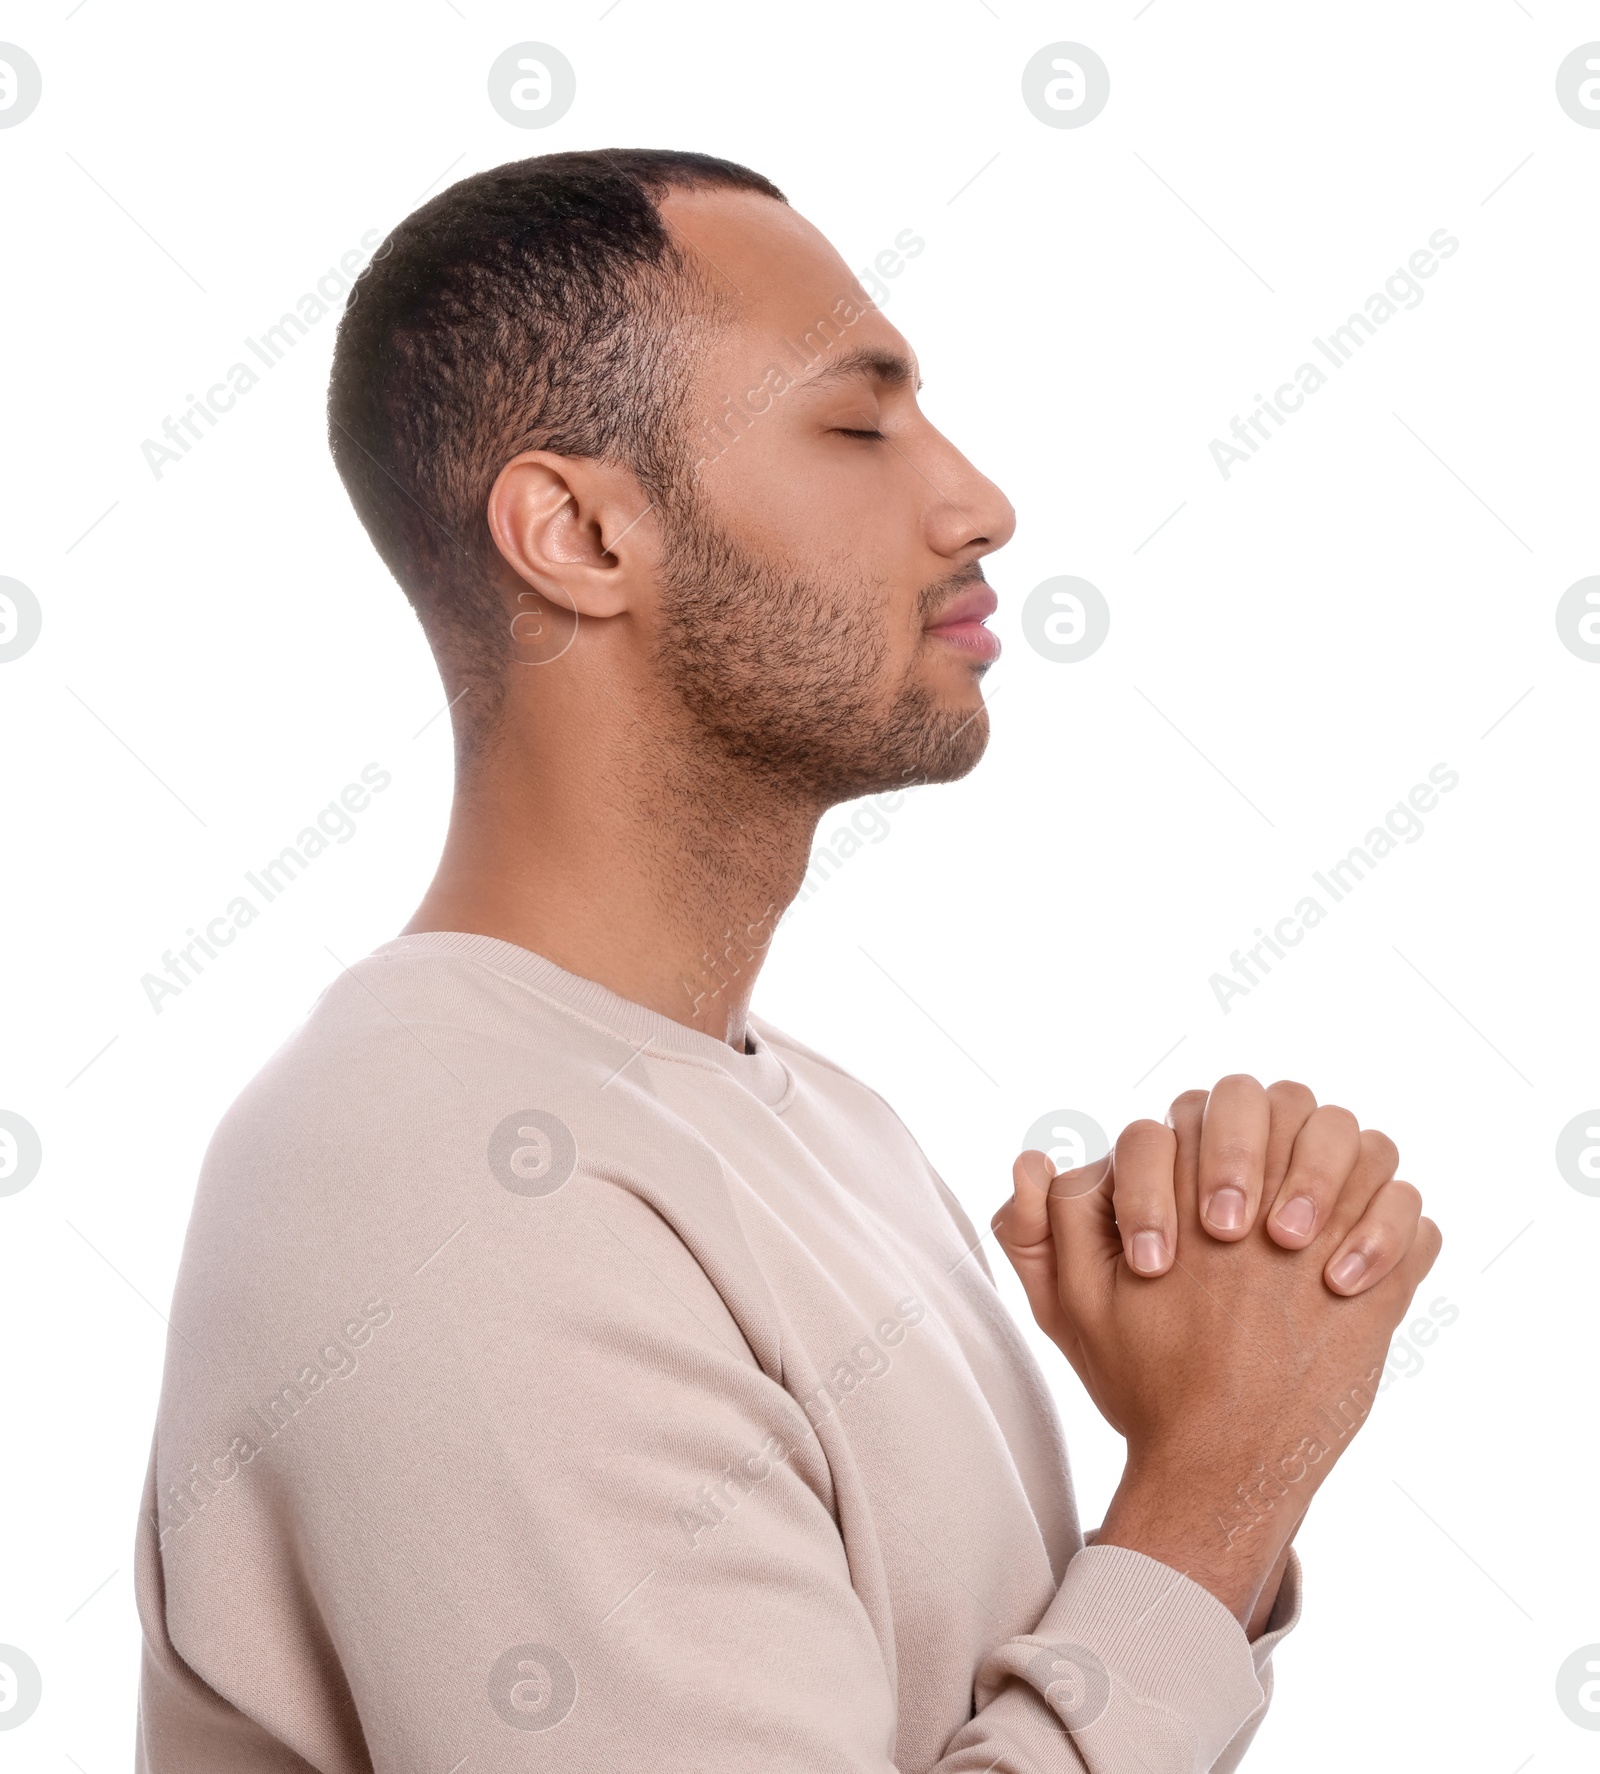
point(967, 516)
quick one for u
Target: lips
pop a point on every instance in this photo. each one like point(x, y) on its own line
point(961, 623)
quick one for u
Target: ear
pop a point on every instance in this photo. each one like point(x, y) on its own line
point(575, 532)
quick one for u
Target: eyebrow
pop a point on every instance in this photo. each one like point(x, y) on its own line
point(887, 367)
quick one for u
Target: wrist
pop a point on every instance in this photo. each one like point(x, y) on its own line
point(1226, 1536)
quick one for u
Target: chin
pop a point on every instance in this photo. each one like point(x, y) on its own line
point(965, 750)
point(942, 743)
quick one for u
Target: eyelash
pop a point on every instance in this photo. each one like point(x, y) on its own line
point(845, 431)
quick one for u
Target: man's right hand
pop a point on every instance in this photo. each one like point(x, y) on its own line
point(1239, 1375)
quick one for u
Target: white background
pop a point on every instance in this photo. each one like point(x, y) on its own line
point(1300, 643)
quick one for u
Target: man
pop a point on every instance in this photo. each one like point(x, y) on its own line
point(568, 1369)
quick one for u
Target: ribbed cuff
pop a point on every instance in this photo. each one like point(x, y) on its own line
point(1144, 1667)
point(1285, 1615)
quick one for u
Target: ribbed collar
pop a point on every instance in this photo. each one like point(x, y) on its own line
point(760, 1071)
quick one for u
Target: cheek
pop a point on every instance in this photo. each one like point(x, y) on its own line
point(824, 537)
point(796, 503)
point(837, 527)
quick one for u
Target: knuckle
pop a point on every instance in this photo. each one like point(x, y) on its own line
point(1286, 1093)
point(1378, 1149)
point(1378, 1244)
point(1144, 1136)
point(1141, 1213)
point(1406, 1196)
point(1189, 1102)
point(1233, 1154)
point(1310, 1177)
point(1333, 1115)
point(1239, 1081)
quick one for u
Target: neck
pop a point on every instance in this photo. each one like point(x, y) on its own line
point(641, 863)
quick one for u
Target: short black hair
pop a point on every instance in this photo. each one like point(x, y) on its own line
point(527, 307)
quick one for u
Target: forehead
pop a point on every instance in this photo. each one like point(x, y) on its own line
point(777, 274)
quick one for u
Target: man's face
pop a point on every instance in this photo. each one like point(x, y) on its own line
point(821, 599)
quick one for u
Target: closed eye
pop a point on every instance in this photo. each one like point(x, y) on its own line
point(846, 431)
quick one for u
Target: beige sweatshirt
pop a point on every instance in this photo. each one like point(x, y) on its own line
point(552, 1387)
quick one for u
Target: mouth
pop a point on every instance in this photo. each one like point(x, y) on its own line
point(961, 624)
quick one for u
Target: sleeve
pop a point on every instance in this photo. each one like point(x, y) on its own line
point(1284, 1618)
point(556, 1516)
point(1140, 1669)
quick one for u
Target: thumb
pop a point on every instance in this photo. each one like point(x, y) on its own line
point(1024, 1221)
point(1022, 1230)
point(1084, 1224)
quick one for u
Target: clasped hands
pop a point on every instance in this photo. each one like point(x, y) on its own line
point(1226, 1285)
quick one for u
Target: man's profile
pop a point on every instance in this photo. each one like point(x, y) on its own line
point(570, 1370)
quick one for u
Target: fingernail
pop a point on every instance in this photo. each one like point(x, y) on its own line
point(1226, 1211)
point(1297, 1217)
point(1148, 1252)
point(1348, 1270)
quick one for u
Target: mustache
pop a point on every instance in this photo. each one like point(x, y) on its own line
point(932, 598)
